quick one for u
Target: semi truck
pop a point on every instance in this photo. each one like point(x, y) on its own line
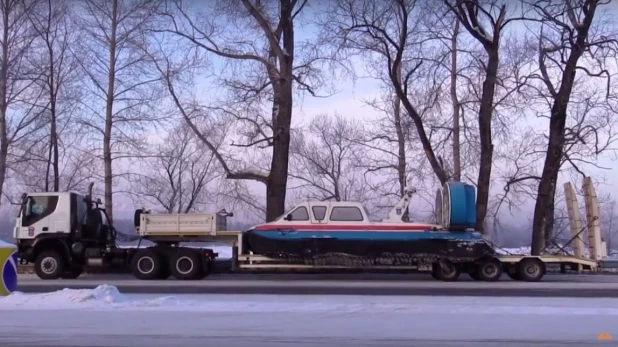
point(64, 233)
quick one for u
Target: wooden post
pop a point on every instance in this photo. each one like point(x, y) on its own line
point(593, 220)
point(575, 222)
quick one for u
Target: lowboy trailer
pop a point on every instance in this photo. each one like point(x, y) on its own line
point(65, 233)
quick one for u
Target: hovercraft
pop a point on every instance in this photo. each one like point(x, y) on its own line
point(341, 233)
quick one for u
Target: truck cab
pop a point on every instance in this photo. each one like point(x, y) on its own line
point(65, 223)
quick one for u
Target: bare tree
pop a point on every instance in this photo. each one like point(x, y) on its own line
point(179, 177)
point(389, 35)
point(56, 81)
point(263, 62)
point(486, 23)
point(411, 43)
point(123, 95)
point(322, 158)
point(573, 44)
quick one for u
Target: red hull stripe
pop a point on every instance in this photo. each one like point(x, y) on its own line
point(333, 227)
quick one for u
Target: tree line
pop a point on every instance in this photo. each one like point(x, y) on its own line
point(184, 104)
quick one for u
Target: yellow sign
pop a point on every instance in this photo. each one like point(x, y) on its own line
point(604, 336)
point(8, 265)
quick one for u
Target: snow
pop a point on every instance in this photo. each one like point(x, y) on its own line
point(4, 244)
point(107, 297)
point(105, 317)
point(613, 254)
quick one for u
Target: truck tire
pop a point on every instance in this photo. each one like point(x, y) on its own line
point(489, 270)
point(448, 272)
point(530, 270)
point(49, 265)
point(186, 264)
point(147, 264)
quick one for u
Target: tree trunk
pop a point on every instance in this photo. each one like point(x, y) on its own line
point(547, 187)
point(487, 147)
point(4, 73)
point(276, 184)
point(455, 105)
point(109, 113)
point(401, 146)
point(557, 124)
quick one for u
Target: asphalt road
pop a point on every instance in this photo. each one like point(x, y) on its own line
point(340, 284)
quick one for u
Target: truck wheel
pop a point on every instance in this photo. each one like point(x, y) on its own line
point(489, 270)
point(186, 264)
point(146, 264)
point(530, 269)
point(445, 271)
point(49, 265)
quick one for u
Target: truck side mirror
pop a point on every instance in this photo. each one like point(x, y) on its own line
point(288, 217)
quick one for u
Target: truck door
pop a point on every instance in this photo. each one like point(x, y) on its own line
point(36, 216)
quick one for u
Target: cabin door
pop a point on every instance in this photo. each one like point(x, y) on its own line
point(318, 214)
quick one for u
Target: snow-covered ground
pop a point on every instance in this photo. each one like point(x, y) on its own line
point(103, 316)
point(107, 297)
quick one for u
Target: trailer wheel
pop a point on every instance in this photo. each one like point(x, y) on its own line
point(146, 264)
point(49, 265)
point(530, 270)
point(186, 264)
point(445, 271)
point(489, 270)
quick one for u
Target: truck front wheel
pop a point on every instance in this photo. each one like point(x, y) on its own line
point(49, 265)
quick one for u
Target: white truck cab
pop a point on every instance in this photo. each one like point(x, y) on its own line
point(49, 213)
point(59, 226)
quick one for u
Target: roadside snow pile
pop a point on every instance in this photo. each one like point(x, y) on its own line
point(106, 297)
point(70, 298)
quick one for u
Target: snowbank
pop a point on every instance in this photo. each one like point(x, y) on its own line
point(107, 297)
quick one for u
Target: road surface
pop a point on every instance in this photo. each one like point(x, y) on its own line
point(331, 284)
point(312, 321)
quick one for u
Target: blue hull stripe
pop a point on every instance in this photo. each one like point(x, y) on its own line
point(369, 235)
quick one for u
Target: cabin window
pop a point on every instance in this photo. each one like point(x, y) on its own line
point(346, 214)
point(319, 212)
point(300, 214)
